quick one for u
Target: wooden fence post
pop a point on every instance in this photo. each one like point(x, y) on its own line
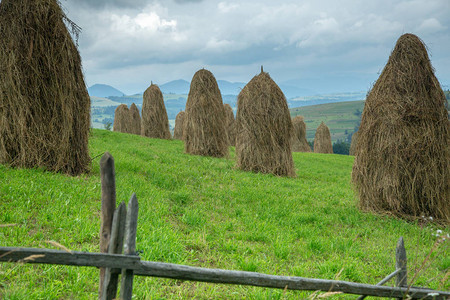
point(400, 263)
point(126, 286)
point(108, 180)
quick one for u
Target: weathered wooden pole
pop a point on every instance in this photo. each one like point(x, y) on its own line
point(108, 180)
point(109, 291)
point(129, 247)
point(400, 264)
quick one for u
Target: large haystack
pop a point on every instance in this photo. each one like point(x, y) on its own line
point(298, 140)
point(121, 119)
point(204, 125)
point(402, 163)
point(134, 126)
point(154, 123)
point(353, 143)
point(322, 140)
point(229, 124)
point(178, 130)
point(44, 104)
point(263, 128)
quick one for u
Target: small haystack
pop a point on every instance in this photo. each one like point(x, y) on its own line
point(134, 125)
point(402, 163)
point(44, 104)
point(298, 141)
point(322, 140)
point(263, 128)
point(353, 143)
point(178, 131)
point(122, 119)
point(154, 123)
point(229, 124)
point(204, 125)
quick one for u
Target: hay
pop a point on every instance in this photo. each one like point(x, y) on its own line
point(229, 124)
point(204, 125)
point(263, 128)
point(298, 139)
point(353, 143)
point(134, 126)
point(44, 105)
point(154, 123)
point(121, 119)
point(178, 130)
point(402, 163)
point(322, 140)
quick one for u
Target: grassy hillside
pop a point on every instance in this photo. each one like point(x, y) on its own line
point(201, 211)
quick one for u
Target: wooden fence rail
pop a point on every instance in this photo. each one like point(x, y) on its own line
point(118, 235)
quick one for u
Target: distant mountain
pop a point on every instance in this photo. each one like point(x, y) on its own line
point(292, 90)
point(103, 91)
point(179, 86)
point(230, 88)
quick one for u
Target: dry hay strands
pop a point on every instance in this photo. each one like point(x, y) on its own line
point(44, 107)
point(298, 141)
point(229, 124)
point(402, 163)
point(178, 130)
point(121, 119)
point(322, 140)
point(154, 122)
point(263, 128)
point(134, 126)
point(352, 150)
point(204, 125)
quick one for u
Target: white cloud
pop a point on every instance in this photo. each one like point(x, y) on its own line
point(226, 7)
point(430, 25)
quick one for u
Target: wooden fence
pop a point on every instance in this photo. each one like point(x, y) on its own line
point(118, 235)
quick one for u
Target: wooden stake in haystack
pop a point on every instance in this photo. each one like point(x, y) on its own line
point(322, 140)
point(154, 123)
point(229, 124)
point(263, 128)
point(204, 125)
point(402, 163)
point(298, 141)
point(122, 119)
point(134, 120)
point(44, 104)
point(178, 130)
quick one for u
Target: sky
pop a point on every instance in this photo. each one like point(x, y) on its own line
point(322, 45)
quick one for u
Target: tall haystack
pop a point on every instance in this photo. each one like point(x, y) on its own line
point(178, 130)
point(298, 140)
point(204, 125)
point(44, 104)
point(121, 119)
point(353, 143)
point(263, 128)
point(229, 124)
point(322, 140)
point(402, 163)
point(134, 126)
point(154, 123)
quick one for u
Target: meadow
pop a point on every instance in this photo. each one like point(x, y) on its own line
point(201, 211)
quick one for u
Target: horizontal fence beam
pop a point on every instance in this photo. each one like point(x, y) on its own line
point(174, 271)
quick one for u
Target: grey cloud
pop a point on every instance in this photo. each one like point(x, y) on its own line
point(99, 4)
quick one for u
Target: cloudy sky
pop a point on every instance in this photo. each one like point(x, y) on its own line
point(322, 45)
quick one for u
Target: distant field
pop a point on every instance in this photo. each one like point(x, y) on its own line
point(339, 117)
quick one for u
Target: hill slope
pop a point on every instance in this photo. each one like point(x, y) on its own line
point(200, 211)
point(104, 90)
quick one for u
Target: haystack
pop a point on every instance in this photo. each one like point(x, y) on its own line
point(204, 125)
point(298, 139)
point(44, 104)
point(154, 123)
point(178, 130)
point(353, 143)
point(263, 128)
point(322, 140)
point(121, 119)
point(134, 126)
point(402, 163)
point(229, 124)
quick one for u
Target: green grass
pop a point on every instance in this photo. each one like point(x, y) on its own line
point(339, 117)
point(201, 211)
